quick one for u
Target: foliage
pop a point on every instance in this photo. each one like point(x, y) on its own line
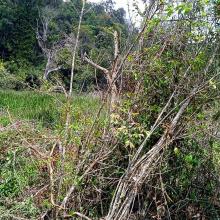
point(19, 45)
point(153, 153)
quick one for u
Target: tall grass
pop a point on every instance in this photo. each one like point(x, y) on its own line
point(44, 108)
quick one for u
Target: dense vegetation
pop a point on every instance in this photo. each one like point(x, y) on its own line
point(137, 138)
point(37, 33)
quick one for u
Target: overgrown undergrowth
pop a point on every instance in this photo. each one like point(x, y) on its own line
point(31, 124)
point(29, 149)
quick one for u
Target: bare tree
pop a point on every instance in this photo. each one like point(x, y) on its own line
point(111, 74)
point(50, 51)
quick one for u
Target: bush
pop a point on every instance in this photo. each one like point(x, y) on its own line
point(17, 77)
point(7, 81)
point(33, 81)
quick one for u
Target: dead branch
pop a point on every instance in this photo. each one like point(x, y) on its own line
point(95, 65)
point(111, 74)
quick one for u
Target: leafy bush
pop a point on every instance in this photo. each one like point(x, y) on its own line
point(7, 80)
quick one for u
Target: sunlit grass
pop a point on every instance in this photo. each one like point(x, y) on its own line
point(43, 108)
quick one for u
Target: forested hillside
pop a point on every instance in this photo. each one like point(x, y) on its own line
point(37, 38)
point(106, 117)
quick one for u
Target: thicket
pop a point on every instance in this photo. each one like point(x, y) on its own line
point(149, 149)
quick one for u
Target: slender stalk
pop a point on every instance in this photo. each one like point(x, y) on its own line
point(68, 116)
point(68, 103)
point(75, 48)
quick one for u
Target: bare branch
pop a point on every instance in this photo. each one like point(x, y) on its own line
point(116, 43)
point(95, 65)
point(51, 70)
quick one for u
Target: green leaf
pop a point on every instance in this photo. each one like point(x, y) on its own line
point(176, 151)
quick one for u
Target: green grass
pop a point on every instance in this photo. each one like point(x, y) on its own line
point(28, 105)
point(44, 108)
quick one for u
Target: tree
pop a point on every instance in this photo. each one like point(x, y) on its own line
point(49, 48)
point(18, 20)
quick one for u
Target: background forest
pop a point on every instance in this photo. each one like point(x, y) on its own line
point(105, 118)
point(40, 34)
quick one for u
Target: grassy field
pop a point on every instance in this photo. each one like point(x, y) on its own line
point(43, 108)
